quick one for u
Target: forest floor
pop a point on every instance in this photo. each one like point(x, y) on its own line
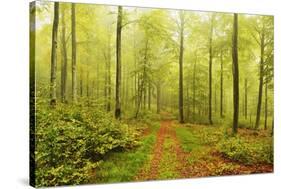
point(174, 151)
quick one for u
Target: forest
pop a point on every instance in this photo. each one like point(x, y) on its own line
point(135, 94)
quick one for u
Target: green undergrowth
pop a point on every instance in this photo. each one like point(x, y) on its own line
point(247, 150)
point(247, 147)
point(124, 166)
point(168, 164)
point(71, 141)
point(187, 139)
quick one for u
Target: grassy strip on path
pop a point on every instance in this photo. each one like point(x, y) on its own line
point(123, 166)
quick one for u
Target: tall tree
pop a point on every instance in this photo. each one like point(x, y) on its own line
point(221, 85)
point(261, 70)
point(265, 106)
point(194, 87)
point(54, 55)
point(74, 69)
point(64, 57)
point(182, 24)
point(246, 98)
point(235, 72)
point(118, 64)
point(210, 66)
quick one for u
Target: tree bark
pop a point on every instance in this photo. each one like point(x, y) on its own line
point(53, 85)
point(246, 98)
point(149, 95)
point(158, 90)
point(64, 59)
point(235, 75)
point(118, 64)
point(81, 83)
point(181, 68)
point(261, 82)
point(194, 89)
point(74, 69)
point(210, 69)
point(109, 75)
point(265, 107)
point(221, 87)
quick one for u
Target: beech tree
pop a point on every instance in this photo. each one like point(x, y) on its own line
point(53, 86)
point(118, 64)
point(74, 66)
point(235, 74)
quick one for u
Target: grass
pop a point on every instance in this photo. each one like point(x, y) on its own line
point(168, 162)
point(124, 166)
point(187, 139)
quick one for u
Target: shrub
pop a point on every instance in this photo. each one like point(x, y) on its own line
point(72, 140)
point(247, 151)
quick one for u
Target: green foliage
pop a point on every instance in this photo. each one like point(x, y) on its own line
point(147, 117)
point(71, 140)
point(123, 166)
point(210, 135)
point(247, 151)
point(188, 141)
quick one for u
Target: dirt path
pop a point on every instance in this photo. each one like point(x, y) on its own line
point(167, 158)
point(169, 161)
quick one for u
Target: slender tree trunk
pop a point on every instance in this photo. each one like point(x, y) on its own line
point(265, 108)
point(261, 83)
point(109, 75)
point(194, 88)
point(145, 80)
point(246, 98)
point(74, 69)
point(53, 85)
point(235, 74)
point(181, 120)
point(149, 95)
point(106, 83)
point(118, 64)
point(81, 83)
point(272, 130)
point(136, 74)
point(140, 94)
point(215, 99)
point(98, 80)
point(210, 69)
point(187, 102)
point(87, 85)
point(221, 87)
point(158, 90)
point(64, 59)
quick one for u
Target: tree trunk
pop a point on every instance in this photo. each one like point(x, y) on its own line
point(118, 64)
point(221, 87)
point(81, 83)
point(180, 68)
point(64, 59)
point(149, 95)
point(87, 84)
point(265, 108)
point(246, 98)
point(158, 89)
point(235, 75)
point(54, 55)
point(74, 69)
point(261, 83)
point(109, 75)
point(193, 87)
point(272, 130)
point(210, 69)
point(140, 94)
point(98, 80)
